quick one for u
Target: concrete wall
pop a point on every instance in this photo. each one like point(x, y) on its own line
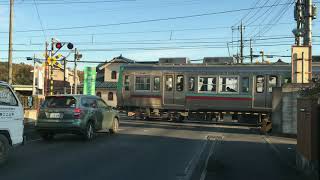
point(284, 108)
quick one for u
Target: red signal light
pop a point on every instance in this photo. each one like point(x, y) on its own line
point(58, 45)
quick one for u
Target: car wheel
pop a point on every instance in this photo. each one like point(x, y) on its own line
point(115, 126)
point(89, 133)
point(47, 136)
point(4, 149)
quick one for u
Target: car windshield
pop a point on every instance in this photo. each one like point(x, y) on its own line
point(60, 102)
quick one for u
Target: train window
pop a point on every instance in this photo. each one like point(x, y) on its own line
point(126, 83)
point(260, 84)
point(180, 82)
point(245, 84)
point(272, 83)
point(142, 83)
point(207, 84)
point(228, 84)
point(191, 83)
point(169, 82)
point(156, 84)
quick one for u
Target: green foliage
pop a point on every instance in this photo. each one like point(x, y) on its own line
point(313, 91)
point(21, 73)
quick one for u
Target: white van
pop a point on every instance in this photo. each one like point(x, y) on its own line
point(11, 121)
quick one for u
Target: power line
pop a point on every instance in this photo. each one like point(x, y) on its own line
point(39, 18)
point(153, 20)
point(278, 17)
point(265, 12)
point(70, 2)
point(245, 16)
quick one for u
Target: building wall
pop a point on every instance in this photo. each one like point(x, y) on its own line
point(108, 69)
point(104, 96)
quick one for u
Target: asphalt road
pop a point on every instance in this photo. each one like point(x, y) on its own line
point(143, 151)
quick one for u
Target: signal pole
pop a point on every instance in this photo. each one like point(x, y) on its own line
point(64, 75)
point(51, 68)
point(10, 43)
point(75, 74)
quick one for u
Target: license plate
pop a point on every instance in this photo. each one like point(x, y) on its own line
point(55, 115)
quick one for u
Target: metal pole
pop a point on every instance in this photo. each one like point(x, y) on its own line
point(251, 55)
point(308, 24)
point(64, 76)
point(34, 76)
point(75, 74)
point(10, 43)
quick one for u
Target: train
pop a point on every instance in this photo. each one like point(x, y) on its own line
point(180, 90)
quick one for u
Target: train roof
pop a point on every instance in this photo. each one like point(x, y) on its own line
point(221, 68)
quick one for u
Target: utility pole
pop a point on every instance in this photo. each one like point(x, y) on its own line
point(262, 55)
point(241, 43)
point(34, 76)
point(46, 70)
point(251, 55)
point(10, 43)
point(75, 74)
point(308, 17)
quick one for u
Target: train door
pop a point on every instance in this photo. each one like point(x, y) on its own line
point(173, 92)
point(272, 82)
point(168, 89)
point(260, 91)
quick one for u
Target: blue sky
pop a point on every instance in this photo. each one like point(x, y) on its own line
point(195, 37)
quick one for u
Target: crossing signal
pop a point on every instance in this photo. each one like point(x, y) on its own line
point(58, 45)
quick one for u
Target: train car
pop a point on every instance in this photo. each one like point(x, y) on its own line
point(239, 92)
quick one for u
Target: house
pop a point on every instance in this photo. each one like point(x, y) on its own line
point(107, 78)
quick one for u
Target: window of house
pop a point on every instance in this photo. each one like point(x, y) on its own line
point(207, 84)
point(169, 82)
point(228, 84)
point(272, 83)
point(99, 94)
point(191, 83)
point(260, 84)
point(126, 83)
point(110, 96)
point(156, 84)
point(142, 83)
point(114, 75)
point(245, 84)
point(179, 83)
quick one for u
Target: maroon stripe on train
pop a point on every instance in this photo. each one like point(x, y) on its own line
point(145, 96)
point(218, 98)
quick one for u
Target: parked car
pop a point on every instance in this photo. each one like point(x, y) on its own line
point(77, 114)
point(11, 121)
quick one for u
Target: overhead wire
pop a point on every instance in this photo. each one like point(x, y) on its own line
point(151, 20)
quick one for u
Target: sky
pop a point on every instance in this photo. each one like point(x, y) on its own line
point(145, 30)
